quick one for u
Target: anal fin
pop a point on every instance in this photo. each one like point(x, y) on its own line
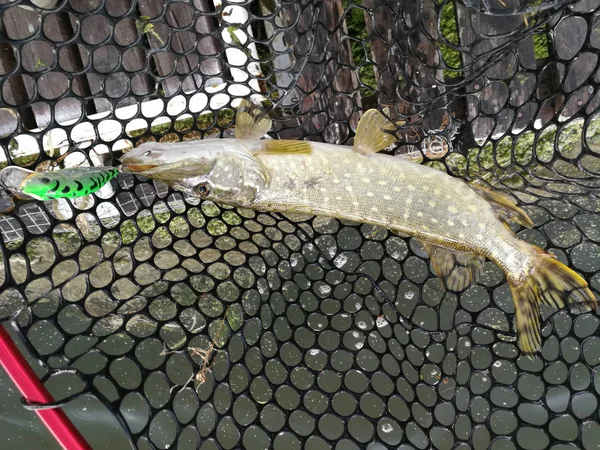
point(456, 270)
point(503, 208)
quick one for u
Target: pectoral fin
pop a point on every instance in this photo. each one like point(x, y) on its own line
point(371, 133)
point(252, 121)
point(456, 270)
point(503, 208)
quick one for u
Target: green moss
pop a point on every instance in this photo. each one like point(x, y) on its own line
point(26, 160)
point(524, 148)
point(184, 124)
point(136, 133)
point(457, 164)
point(231, 218)
point(216, 227)
point(235, 41)
point(196, 218)
point(449, 27)
point(145, 222)
point(592, 134)
point(129, 232)
point(540, 46)
point(162, 235)
point(161, 128)
point(210, 209)
point(569, 140)
point(545, 144)
point(205, 121)
point(225, 117)
point(144, 26)
point(504, 150)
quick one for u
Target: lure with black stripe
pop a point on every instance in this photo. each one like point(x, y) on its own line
point(65, 183)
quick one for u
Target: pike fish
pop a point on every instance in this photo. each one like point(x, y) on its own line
point(460, 223)
point(65, 183)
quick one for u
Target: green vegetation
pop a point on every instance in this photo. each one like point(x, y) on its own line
point(235, 41)
point(144, 26)
point(497, 162)
point(204, 122)
point(449, 27)
point(155, 130)
point(360, 46)
point(23, 161)
point(541, 46)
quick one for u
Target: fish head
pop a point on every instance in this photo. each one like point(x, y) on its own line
point(221, 170)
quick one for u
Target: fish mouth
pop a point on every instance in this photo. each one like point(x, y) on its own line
point(134, 164)
point(137, 167)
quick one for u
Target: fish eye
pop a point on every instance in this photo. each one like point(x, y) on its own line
point(148, 153)
point(45, 180)
point(203, 189)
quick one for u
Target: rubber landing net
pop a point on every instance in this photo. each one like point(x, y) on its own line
point(195, 325)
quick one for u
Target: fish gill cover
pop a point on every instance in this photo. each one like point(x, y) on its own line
point(199, 325)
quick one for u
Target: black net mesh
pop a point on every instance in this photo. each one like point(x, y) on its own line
point(201, 325)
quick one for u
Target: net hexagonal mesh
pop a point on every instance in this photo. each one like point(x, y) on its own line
point(202, 325)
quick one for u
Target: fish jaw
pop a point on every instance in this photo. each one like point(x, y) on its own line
point(137, 168)
point(140, 162)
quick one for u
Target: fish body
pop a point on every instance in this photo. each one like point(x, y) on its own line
point(65, 183)
point(460, 224)
point(382, 190)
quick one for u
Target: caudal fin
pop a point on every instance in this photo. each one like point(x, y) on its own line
point(552, 283)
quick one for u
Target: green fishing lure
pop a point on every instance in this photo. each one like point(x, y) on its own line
point(65, 183)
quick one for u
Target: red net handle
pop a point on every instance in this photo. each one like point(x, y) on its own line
point(34, 391)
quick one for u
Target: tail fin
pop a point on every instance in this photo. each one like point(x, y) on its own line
point(552, 283)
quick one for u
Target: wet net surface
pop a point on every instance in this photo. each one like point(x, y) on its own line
point(200, 325)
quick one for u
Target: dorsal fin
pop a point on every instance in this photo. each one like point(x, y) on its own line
point(252, 121)
point(371, 136)
point(456, 270)
point(503, 208)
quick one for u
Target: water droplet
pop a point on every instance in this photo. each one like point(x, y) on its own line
point(387, 428)
point(341, 261)
point(325, 289)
